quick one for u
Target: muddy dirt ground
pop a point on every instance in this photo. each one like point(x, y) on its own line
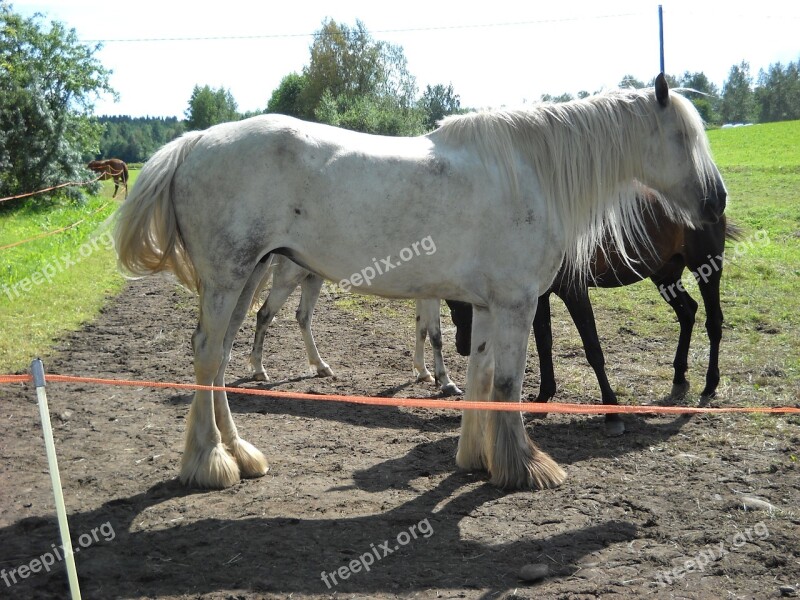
point(678, 507)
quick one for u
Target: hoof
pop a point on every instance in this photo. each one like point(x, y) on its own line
point(252, 463)
point(679, 391)
point(615, 428)
point(451, 389)
point(425, 378)
point(324, 371)
point(210, 468)
point(537, 471)
point(260, 376)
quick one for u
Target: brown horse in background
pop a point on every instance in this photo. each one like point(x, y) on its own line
point(675, 247)
point(113, 168)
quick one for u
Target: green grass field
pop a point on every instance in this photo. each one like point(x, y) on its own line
point(761, 167)
point(53, 283)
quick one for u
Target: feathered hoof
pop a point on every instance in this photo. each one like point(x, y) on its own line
point(211, 468)
point(532, 469)
point(252, 463)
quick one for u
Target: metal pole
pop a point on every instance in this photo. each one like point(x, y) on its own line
point(37, 370)
point(661, 35)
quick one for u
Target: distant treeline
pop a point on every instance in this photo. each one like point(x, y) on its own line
point(134, 139)
point(774, 95)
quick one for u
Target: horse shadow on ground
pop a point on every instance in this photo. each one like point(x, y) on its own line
point(277, 555)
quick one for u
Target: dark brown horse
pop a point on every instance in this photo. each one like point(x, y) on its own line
point(675, 247)
point(113, 168)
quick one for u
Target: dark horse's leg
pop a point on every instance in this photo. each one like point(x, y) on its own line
point(710, 291)
point(580, 309)
point(543, 333)
point(672, 290)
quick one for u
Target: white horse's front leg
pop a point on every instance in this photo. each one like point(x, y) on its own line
point(480, 371)
point(421, 331)
point(435, 332)
point(514, 461)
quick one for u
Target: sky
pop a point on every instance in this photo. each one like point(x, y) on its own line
point(496, 53)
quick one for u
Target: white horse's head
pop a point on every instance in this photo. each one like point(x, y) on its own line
point(678, 162)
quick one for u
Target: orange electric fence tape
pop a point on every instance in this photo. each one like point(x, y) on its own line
point(50, 189)
point(533, 407)
point(53, 232)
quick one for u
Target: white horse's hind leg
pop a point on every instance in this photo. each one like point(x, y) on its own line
point(206, 461)
point(480, 374)
point(513, 459)
point(250, 460)
point(310, 288)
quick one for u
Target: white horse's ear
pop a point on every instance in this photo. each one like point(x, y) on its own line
point(662, 90)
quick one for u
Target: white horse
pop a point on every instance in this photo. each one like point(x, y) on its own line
point(507, 195)
point(286, 276)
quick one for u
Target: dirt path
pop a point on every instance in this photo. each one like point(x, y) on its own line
point(676, 508)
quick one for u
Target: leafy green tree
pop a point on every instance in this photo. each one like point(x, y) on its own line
point(629, 81)
point(703, 94)
point(357, 82)
point(48, 84)
point(437, 102)
point(778, 93)
point(209, 107)
point(738, 101)
point(285, 99)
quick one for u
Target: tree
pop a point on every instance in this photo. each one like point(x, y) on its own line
point(738, 102)
point(359, 82)
point(437, 102)
point(208, 107)
point(629, 81)
point(778, 93)
point(703, 94)
point(48, 84)
point(285, 99)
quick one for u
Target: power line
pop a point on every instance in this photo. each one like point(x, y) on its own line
point(382, 31)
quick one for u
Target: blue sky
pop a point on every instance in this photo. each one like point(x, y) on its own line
point(499, 53)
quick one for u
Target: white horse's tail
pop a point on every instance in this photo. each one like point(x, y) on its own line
point(146, 236)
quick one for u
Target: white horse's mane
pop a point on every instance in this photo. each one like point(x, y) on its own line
point(580, 150)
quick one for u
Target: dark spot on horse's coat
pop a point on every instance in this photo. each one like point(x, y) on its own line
point(297, 211)
point(417, 318)
point(503, 387)
point(436, 340)
point(482, 347)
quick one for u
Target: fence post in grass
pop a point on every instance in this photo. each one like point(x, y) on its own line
point(37, 370)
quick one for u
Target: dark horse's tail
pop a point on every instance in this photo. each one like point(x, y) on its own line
point(124, 173)
point(733, 232)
